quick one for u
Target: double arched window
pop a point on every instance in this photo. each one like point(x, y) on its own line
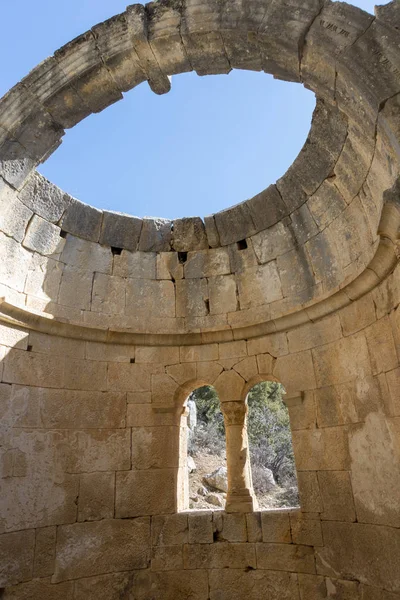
point(237, 455)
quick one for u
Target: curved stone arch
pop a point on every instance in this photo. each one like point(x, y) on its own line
point(183, 392)
point(260, 378)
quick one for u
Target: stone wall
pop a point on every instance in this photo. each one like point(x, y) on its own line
point(108, 322)
point(91, 454)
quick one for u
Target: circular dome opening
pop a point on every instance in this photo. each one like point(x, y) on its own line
point(210, 143)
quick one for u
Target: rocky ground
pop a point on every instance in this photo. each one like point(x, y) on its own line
point(203, 496)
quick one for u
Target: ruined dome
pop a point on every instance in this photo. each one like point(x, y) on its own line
point(108, 322)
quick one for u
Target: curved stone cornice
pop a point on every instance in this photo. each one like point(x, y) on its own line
point(383, 263)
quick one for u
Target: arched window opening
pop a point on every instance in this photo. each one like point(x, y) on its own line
point(207, 471)
point(271, 450)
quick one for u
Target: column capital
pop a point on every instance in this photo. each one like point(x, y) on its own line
point(234, 412)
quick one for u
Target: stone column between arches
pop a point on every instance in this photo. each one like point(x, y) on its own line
point(240, 496)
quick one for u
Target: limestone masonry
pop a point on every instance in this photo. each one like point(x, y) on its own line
point(108, 322)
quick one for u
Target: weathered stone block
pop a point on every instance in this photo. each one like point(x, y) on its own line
point(169, 266)
point(43, 237)
point(393, 381)
point(156, 235)
point(15, 164)
point(326, 204)
point(322, 449)
point(305, 531)
point(374, 563)
point(111, 586)
point(310, 497)
point(178, 585)
point(144, 297)
point(167, 558)
point(45, 552)
point(147, 492)
point(167, 355)
point(86, 256)
point(272, 242)
point(120, 231)
point(82, 220)
point(222, 294)
point(223, 555)
point(43, 278)
point(136, 18)
point(200, 528)
point(342, 361)
point(207, 263)
point(169, 530)
point(235, 584)
point(155, 447)
point(267, 208)
point(188, 234)
point(131, 377)
point(96, 496)
point(47, 496)
point(348, 403)
point(296, 372)
point(285, 557)
point(99, 450)
point(115, 546)
point(381, 346)
point(253, 525)
point(17, 552)
point(259, 285)
point(230, 527)
point(206, 52)
point(37, 407)
point(235, 224)
point(295, 272)
point(164, 36)
point(358, 315)
point(211, 231)
point(276, 527)
point(335, 29)
point(135, 265)
point(315, 587)
point(144, 415)
point(315, 334)
point(192, 296)
point(322, 251)
point(75, 289)
point(40, 588)
point(13, 254)
point(337, 496)
point(375, 450)
point(44, 198)
point(230, 386)
point(85, 375)
point(163, 389)
point(108, 294)
point(29, 368)
point(14, 215)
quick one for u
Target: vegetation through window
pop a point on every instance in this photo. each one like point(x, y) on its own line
point(206, 451)
point(270, 444)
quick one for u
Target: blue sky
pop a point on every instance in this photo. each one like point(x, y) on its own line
point(208, 144)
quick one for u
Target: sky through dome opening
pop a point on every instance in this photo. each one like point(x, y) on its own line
point(210, 143)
